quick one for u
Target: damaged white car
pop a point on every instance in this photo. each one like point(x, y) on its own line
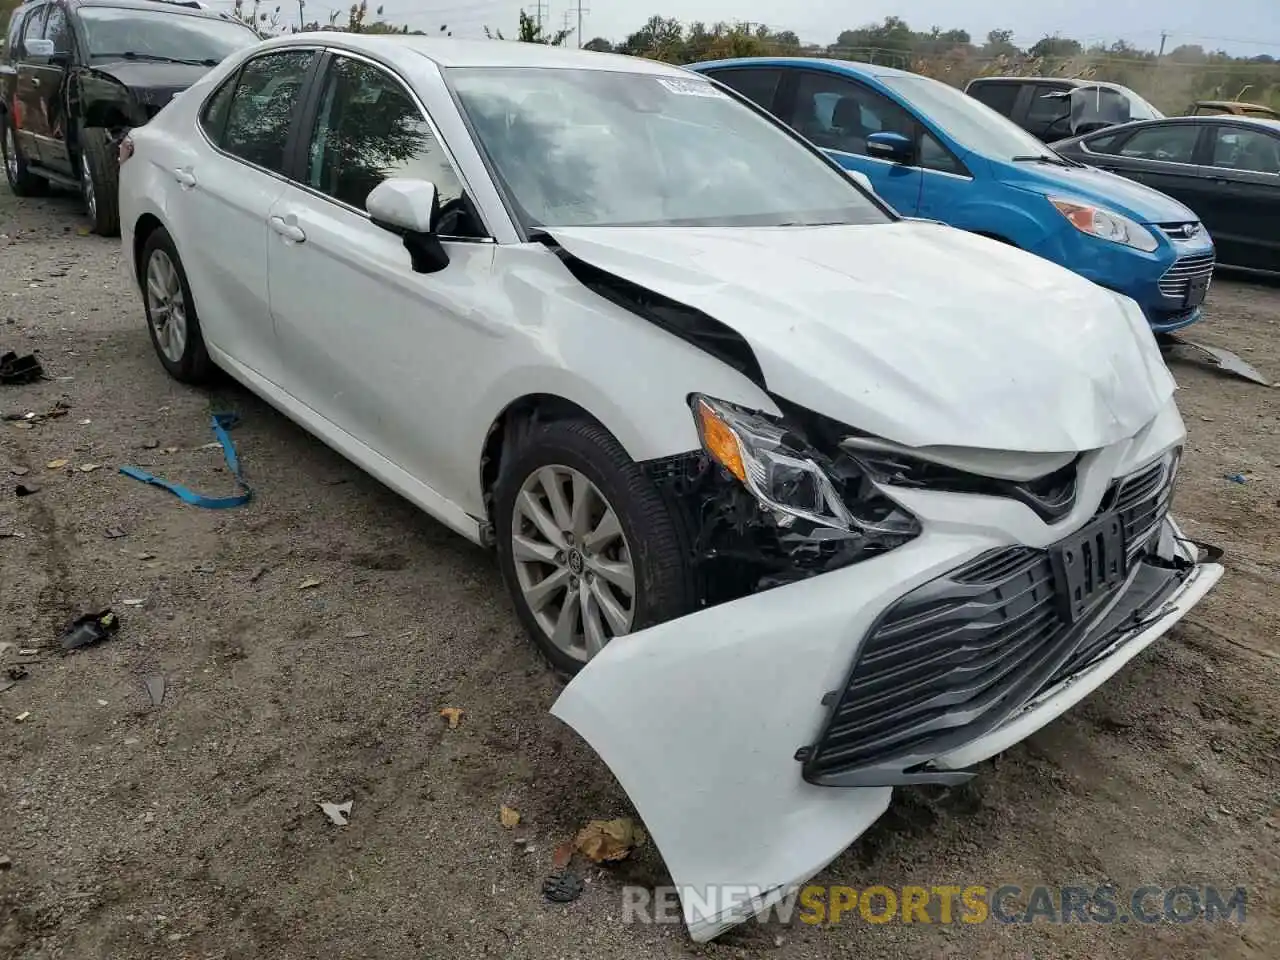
point(818, 501)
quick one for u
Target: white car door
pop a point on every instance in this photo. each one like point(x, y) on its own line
point(227, 184)
point(374, 348)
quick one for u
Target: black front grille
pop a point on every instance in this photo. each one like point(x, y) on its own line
point(1177, 279)
point(954, 657)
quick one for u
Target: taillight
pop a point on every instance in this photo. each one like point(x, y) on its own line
point(126, 149)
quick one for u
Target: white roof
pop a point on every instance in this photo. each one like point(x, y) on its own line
point(486, 53)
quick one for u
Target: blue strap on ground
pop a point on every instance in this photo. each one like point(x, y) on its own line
point(222, 422)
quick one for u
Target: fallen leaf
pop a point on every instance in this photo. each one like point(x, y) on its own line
point(563, 854)
point(85, 423)
point(309, 583)
point(57, 464)
point(114, 533)
point(82, 231)
point(133, 602)
point(337, 812)
point(508, 817)
point(453, 715)
point(89, 467)
point(24, 426)
point(23, 715)
point(19, 471)
point(170, 449)
point(358, 634)
point(602, 840)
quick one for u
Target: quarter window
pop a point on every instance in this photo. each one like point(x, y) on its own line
point(369, 129)
point(839, 115)
point(1171, 144)
point(263, 106)
point(934, 156)
point(1252, 150)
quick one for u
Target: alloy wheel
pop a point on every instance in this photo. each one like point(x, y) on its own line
point(572, 561)
point(86, 187)
point(166, 306)
point(10, 155)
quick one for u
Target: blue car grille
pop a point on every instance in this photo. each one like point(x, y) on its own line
point(1176, 279)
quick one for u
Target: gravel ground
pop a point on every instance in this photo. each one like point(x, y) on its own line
point(191, 830)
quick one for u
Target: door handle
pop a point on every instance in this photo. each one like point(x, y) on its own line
point(290, 231)
point(185, 177)
point(35, 81)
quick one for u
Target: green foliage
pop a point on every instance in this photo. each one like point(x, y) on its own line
point(1173, 82)
point(531, 31)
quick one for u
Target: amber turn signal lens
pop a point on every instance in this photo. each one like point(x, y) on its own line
point(720, 441)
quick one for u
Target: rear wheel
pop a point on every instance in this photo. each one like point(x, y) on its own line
point(171, 311)
point(589, 549)
point(100, 181)
point(21, 180)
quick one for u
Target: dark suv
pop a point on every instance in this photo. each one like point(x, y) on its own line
point(1055, 108)
point(75, 75)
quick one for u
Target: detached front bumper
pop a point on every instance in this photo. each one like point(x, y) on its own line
point(701, 718)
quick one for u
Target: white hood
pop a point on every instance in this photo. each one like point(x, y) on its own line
point(913, 331)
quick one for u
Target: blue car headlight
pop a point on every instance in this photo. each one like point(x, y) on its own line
point(1106, 224)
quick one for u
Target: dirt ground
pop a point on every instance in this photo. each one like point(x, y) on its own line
point(191, 830)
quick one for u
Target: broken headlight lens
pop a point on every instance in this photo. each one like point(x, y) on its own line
point(788, 477)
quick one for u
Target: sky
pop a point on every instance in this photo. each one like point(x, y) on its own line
point(1242, 27)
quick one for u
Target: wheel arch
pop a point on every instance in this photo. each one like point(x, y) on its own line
point(143, 228)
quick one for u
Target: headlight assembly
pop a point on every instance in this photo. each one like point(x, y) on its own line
point(793, 481)
point(1106, 224)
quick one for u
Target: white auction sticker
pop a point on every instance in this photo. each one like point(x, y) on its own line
point(690, 88)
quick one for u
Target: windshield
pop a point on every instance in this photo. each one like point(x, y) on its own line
point(152, 34)
point(969, 122)
point(596, 148)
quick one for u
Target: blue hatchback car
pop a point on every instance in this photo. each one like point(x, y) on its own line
point(933, 152)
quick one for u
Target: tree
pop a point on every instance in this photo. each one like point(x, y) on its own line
point(1050, 48)
point(599, 45)
point(531, 31)
point(1000, 44)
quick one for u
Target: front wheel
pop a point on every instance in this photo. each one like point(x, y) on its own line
point(589, 549)
point(100, 181)
point(171, 311)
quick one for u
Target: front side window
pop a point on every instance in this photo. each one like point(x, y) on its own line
point(56, 29)
point(34, 29)
point(838, 114)
point(604, 148)
point(263, 106)
point(125, 33)
point(1171, 144)
point(369, 129)
point(1254, 151)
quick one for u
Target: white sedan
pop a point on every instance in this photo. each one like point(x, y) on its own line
point(869, 500)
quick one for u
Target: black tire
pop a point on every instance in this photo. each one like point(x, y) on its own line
point(100, 171)
point(21, 180)
point(666, 585)
point(194, 365)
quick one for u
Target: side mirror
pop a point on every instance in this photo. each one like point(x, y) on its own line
point(893, 147)
point(38, 49)
point(410, 208)
point(861, 179)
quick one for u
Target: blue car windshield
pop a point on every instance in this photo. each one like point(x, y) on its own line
point(577, 148)
point(969, 122)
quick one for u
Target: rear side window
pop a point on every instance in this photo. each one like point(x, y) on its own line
point(1000, 97)
point(1170, 144)
point(213, 118)
point(261, 109)
point(758, 86)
